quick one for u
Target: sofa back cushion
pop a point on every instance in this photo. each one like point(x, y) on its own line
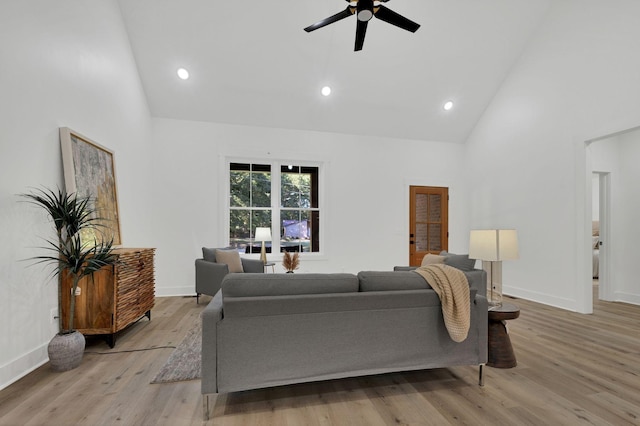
point(459, 261)
point(391, 280)
point(209, 254)
point(249, 285)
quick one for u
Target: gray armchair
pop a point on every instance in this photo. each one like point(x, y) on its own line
point(209, 273)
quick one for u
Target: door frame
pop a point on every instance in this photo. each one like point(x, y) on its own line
point(604, 213)
point(445, 221)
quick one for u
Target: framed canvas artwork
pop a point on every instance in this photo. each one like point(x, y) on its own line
point(89, 171)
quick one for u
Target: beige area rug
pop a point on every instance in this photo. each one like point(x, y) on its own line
point(185, 360)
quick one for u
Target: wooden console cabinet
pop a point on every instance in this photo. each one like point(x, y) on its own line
point(114, 297)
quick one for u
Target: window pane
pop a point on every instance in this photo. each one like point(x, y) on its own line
point(260, 219)
point(422, 212)
point(422, 240)
point(294, 230)
point(239, 228)
point(434, 208)
point(296, 186)
point(261, 189)
point(240, 194)
point(290, 196)
point(434, 237)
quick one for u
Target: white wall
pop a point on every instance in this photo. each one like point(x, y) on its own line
point(578, 79)
point(366, 193)
point(64, 63)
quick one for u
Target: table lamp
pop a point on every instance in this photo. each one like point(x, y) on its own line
point(263, 234)
point(492, 246)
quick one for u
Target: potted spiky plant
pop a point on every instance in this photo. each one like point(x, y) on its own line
point(71, 215)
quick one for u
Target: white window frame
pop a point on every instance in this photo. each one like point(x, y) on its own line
point(275, 164)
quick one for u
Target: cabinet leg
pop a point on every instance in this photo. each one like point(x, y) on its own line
point(111, 340)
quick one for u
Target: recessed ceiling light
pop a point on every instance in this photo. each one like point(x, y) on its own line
point(183, 73)
point(448, 105)
point(326, 91)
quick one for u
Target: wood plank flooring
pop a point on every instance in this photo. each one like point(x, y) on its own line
point(572, 369)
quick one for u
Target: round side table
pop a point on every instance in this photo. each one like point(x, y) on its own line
point(500, 350)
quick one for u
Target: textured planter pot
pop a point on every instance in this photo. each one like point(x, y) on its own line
point(66, 350)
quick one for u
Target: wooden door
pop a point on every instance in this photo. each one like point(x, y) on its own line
point(428, 222)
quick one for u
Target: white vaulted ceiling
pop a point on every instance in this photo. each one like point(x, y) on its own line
point(251, 63)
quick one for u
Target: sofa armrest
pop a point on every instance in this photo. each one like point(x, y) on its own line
point(209, 276)
point(404, 268)
point(211, 316)
point(253, 266)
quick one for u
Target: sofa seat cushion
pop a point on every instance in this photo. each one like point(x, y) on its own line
point(391, 280)
point(250, 285)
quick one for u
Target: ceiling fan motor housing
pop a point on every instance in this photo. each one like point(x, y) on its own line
point(365, 10)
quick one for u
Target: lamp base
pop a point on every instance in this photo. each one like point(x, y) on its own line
point(263, 254)
point(494, 282)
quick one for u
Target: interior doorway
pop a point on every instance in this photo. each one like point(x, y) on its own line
point(600, 227)
point(612, 160)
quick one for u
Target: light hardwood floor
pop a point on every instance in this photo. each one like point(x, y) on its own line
point(572, 369)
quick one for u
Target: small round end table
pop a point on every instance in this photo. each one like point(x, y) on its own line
point(500, 350)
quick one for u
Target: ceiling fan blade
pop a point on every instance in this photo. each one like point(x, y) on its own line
point(331, 19)
point(393, 18)
point(361, 30)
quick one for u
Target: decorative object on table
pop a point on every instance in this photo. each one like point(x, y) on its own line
point(72, 259)
point(89, 171)
point(291, 262)
point(365, 10)
point(263, 234)
point(492, 246)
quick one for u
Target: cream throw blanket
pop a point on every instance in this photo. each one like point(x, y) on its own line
point(452, 287)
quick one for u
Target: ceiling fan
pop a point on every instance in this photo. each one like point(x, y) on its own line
point(365, 10)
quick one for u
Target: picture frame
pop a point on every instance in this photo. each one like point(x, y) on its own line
point(89, 171)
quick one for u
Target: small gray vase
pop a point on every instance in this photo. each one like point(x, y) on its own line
point(66, 350)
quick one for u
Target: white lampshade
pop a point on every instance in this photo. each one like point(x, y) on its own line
point(263, 234)
point(493, 244)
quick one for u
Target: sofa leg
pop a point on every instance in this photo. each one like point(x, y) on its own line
point(197, 298)
point(481, 375)
point(205, 407)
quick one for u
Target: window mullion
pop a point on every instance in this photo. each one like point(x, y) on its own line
point(276, 196)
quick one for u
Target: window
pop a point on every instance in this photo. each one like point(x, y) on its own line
point(261, 195)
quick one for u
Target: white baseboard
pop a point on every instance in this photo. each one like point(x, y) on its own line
point(16, 369)
point(175, 291)
point(558, 302)
point(620, 296)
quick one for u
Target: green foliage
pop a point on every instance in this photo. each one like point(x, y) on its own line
point(250, 200)
point(70, 215)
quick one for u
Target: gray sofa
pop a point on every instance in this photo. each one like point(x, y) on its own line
point(209, 273)
point(278, 329)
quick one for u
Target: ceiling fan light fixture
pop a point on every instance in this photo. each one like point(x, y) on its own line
point(365, 15)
